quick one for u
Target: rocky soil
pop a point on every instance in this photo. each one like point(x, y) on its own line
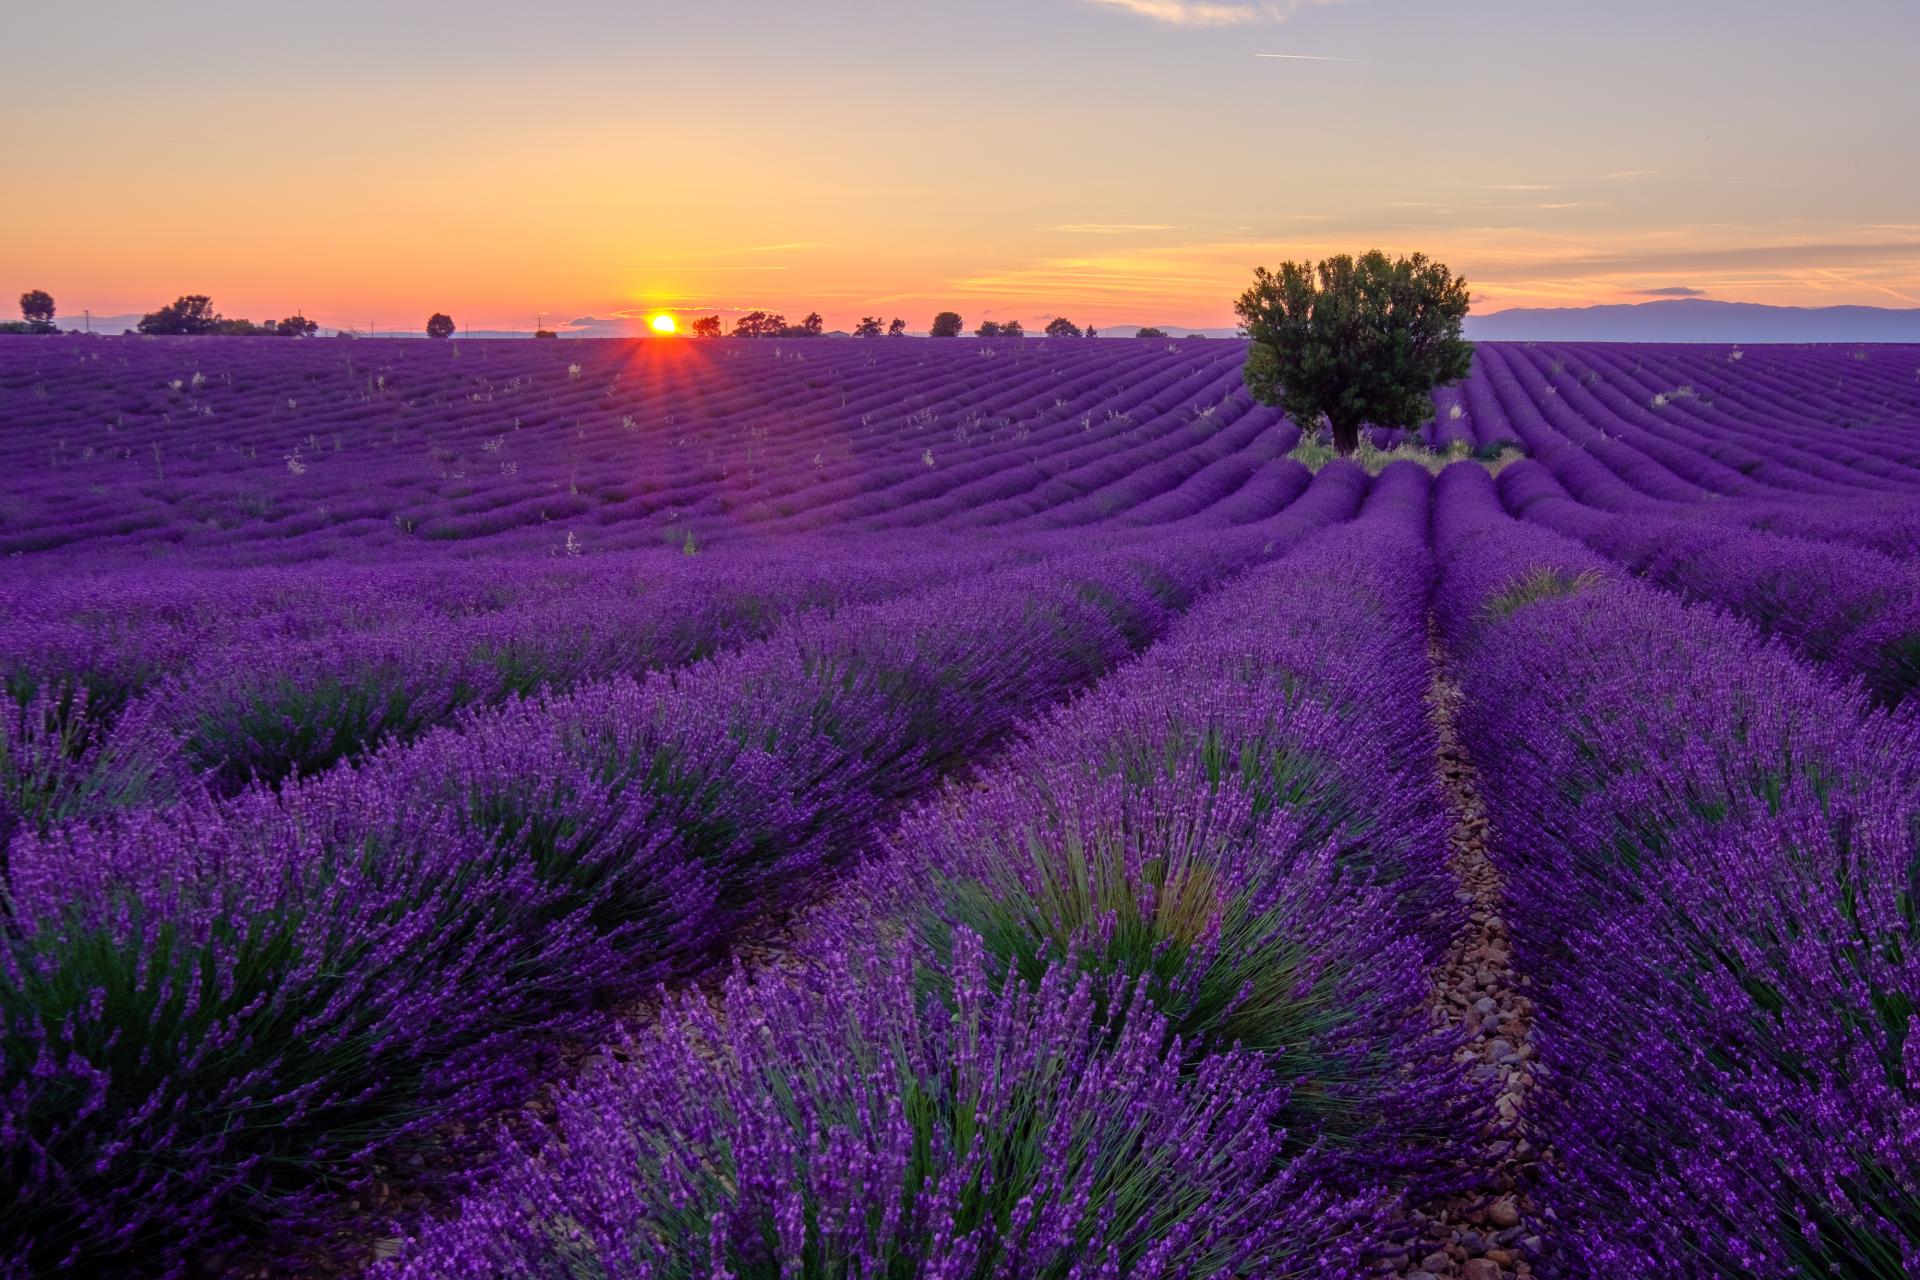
point(1492, 1231)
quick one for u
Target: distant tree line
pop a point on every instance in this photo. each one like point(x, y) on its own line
point(193, 314)
point(947, 324)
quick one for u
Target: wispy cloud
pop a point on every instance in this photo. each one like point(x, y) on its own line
point(1866, 284)
point(1110, 228)
point(1673, 291)
point(1627, 175)
point(1212, 13)
point(1186, 13)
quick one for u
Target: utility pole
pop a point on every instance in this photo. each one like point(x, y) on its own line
point(89, 315)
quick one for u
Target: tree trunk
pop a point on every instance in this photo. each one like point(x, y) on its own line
point(1346, 436)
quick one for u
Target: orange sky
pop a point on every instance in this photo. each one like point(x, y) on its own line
point(1117, 161)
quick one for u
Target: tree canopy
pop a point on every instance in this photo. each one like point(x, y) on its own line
point(945, 325)
point(191, 313)
point(439, 325)
point(36, 308)
point(869, 327)
point(705, 327)
point(897, 329)
point(1355, 340)
point(1061, 327)
point(1150, 332)
point(760, 324)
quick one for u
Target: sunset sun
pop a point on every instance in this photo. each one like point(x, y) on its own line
point(663, 323)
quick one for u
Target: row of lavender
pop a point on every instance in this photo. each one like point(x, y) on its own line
point(137, 689)
point(1710, 854)
point(220, 1014)
point(279, 451)
point(285, 453)
point(1147, 998)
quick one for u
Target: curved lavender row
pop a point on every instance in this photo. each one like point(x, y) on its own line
point(1204, 847)
point(1887, 524)
point(1846, 607)
point(354, 961)
point(1269, 754)
point(1709, 854)
point(385, 445)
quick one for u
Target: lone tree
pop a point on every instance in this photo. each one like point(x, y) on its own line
point(1355, 341)
point(439, 325)
point(869, 327)
point(36, 308)
point(945, 325)
point(987, 329)
point(810, 327)
point(1150, 332)
point(188, 314)
point(706, 327)
point(296, 326)
point(1061, 327)
point(898, 329)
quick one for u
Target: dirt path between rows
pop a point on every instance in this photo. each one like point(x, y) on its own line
point(1490, 1231)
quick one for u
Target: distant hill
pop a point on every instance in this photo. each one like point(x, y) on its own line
point(1696, 320)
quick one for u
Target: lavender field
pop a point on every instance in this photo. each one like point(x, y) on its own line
point(910, 808)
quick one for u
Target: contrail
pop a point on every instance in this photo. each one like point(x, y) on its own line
point(1304, 57)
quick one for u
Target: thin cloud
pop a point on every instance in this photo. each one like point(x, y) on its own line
point(1625, 175)
point(1673, 291)
point(1866, 284)
point(1184, 13)
point(1211, 13)
point(1110, 228)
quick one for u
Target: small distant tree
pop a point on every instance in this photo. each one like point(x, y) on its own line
point(705, 327)
point(1012, 329)
point(1150, 332)
point(545, 333)
point(36, 309)
point(188, 314)
point(238, 327)
point(898, 329)
point(987, 329)
point(869, 327)
point(1061, 327)
point(296, 326)
point(1355, 341)
point(811, 327)
point(1092, 332)
point(439, 325)
point(945, 325)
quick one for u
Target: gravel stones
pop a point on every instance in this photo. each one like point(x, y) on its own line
point(1477, 1235)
